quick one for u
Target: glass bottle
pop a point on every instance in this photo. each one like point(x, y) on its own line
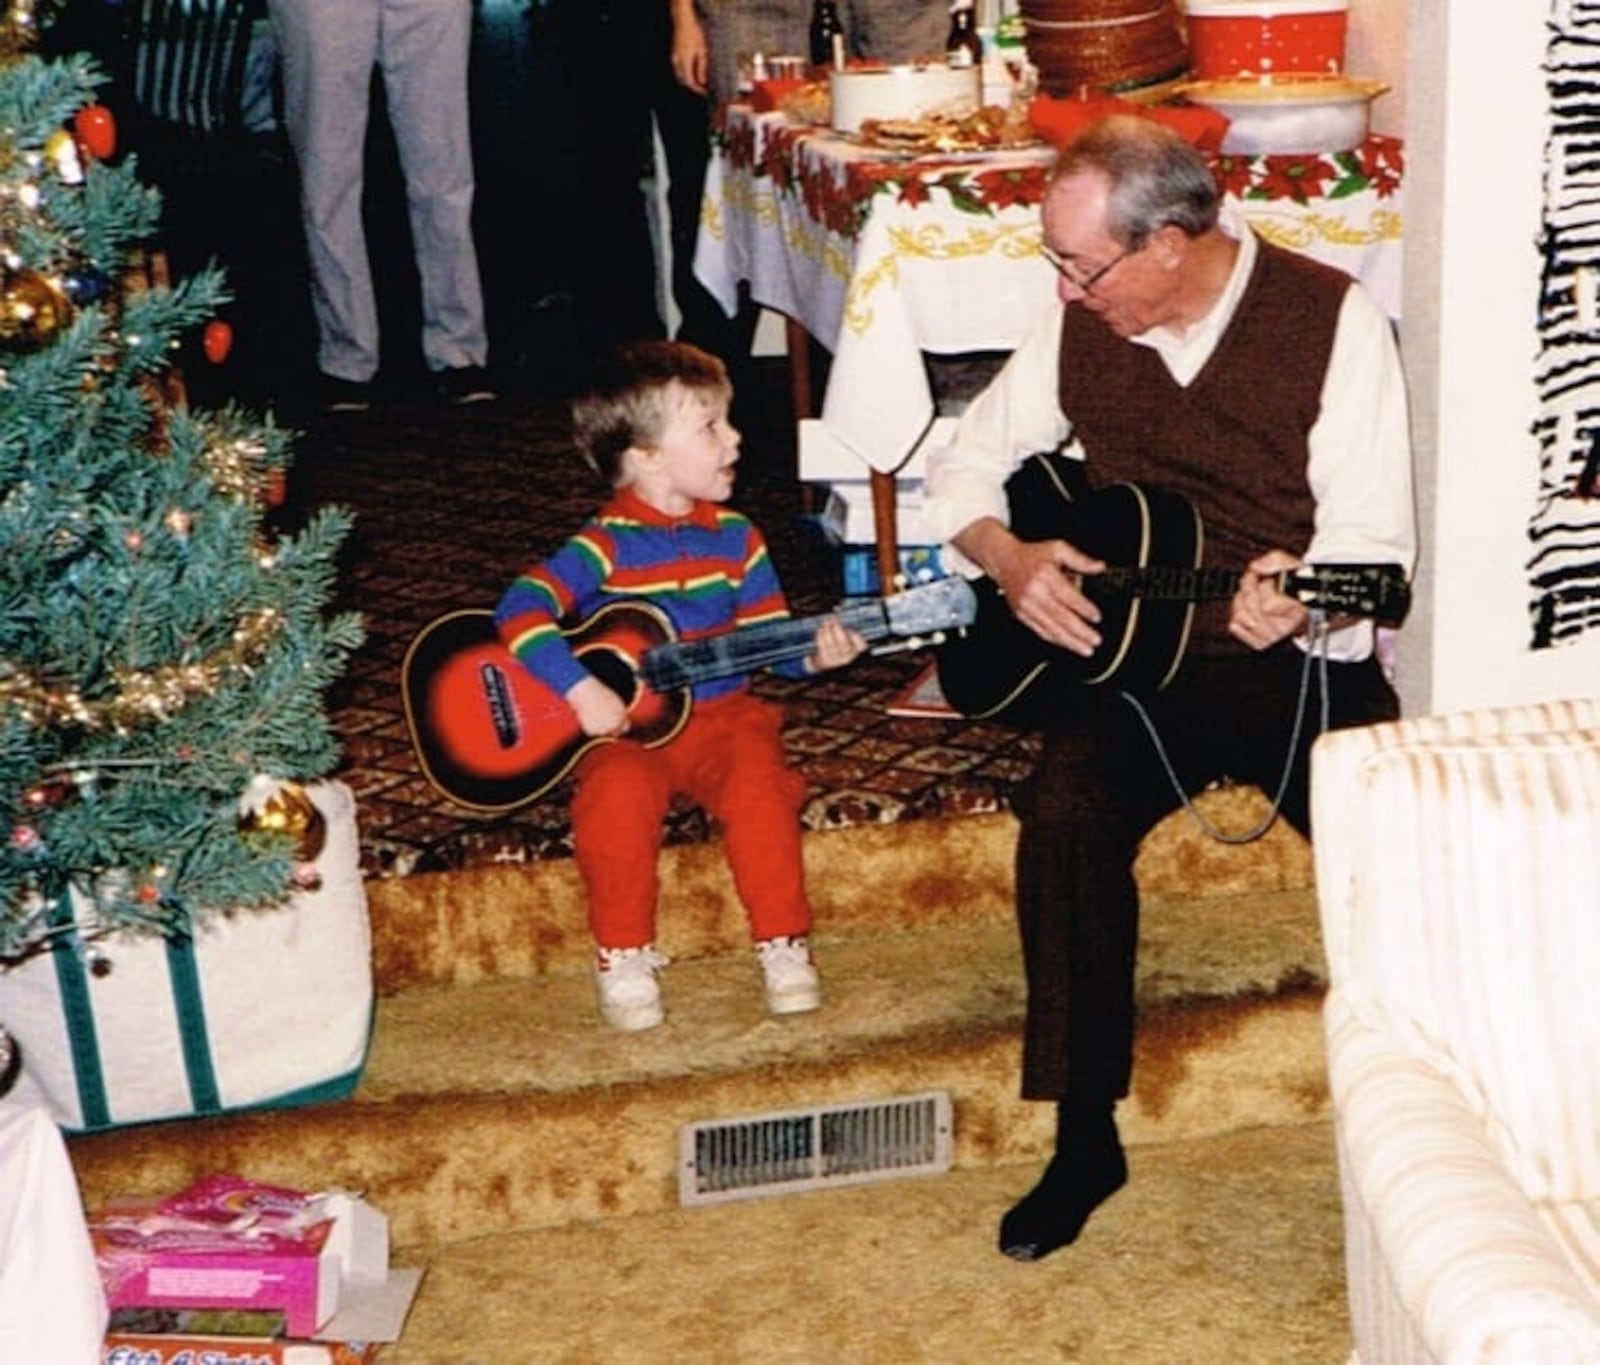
point(963, 47)
point(827, 35)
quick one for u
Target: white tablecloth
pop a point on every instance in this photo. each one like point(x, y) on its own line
point(883, 261)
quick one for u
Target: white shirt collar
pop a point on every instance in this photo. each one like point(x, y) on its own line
point(1185, 352)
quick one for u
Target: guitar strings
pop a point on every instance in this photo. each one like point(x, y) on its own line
point(1316, 650)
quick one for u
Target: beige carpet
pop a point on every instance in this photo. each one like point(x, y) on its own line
point(528, 1156)
point(504, 1105)
point(1219, 1252)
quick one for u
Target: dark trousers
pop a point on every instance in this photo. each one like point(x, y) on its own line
point(683, 120)
point(1098, 788)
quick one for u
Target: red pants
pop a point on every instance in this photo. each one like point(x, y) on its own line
point(728, 759)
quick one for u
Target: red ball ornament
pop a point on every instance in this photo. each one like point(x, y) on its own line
point(51, 792)
point(275, 488)
point(217, 340)
point(96, 131)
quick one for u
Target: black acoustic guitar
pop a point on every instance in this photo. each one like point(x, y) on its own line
point(1151, 539)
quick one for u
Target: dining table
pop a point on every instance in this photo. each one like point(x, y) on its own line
point(886, 258)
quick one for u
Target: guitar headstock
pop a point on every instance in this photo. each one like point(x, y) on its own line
point(1376, 592)
point(944, 604)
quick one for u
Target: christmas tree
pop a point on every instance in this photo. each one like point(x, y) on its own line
point(164, 652)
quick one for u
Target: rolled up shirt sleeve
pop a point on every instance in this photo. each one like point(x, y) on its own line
point(1016, 416)
point(1360, 466)
point(1360, 447)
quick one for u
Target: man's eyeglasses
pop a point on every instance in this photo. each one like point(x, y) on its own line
point(1069, 272)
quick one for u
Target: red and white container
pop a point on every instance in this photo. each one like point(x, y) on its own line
point(1230, 38)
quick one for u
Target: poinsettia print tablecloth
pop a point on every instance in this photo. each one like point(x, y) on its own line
point(885, 258)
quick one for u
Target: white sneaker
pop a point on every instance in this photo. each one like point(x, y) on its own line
point(790, 976)
point(630, 995)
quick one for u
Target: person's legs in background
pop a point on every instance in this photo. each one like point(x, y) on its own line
point(423, 53)
point(608, 246)
point(683, 122)
point(327, 53)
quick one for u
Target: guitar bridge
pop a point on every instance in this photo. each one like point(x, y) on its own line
point(497, 696)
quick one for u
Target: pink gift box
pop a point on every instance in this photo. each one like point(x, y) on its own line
point(224, 1243)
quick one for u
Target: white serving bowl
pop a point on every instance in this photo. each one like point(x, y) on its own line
point(1300, 112)
point(901, 92)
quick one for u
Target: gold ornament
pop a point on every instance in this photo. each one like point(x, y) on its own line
point(20, 22)
point(61, 151)
point(234, 463)
point(288, 810)
point(33, 309)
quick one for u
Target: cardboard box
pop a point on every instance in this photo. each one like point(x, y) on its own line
point(321, 1261)
point(191, 1348)
point(151, 1258)
point(824, 459)
point(859, 566)
point(847, 513)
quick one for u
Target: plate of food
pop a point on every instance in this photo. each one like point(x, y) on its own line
point(974, 136)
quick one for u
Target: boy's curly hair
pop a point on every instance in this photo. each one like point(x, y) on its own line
point(622, 400)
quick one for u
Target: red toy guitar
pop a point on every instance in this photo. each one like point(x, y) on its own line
point(490, 736)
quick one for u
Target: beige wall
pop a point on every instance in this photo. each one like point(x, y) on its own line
point(1375, 46)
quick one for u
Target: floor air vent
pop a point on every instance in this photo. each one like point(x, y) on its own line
point(810, 1149)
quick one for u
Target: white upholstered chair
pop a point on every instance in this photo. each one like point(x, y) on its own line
point(1458, 874)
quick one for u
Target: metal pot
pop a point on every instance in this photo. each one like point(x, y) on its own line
point(1309, 112)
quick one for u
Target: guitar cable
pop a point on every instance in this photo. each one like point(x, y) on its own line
point(1316, 650)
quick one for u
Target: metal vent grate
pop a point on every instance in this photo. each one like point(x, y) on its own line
point(809, 1149)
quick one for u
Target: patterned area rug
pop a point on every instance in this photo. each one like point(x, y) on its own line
point(450, 503)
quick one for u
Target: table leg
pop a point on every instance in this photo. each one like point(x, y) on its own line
point(886, 535)
point(798, 343)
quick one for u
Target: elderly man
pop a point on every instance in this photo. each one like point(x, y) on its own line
point(1263, 389)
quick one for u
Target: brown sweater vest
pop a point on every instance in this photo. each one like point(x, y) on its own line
point(1235, 441)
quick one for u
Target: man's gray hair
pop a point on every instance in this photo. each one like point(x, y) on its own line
point(1155, 177)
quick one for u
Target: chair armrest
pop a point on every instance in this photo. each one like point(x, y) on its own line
point(1481, 1276)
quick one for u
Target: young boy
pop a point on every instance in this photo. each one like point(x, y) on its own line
point(653, 421)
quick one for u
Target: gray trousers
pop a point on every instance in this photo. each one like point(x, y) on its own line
point(328, 49)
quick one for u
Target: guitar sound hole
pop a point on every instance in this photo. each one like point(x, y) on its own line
point(502, 711)
point(614, 671)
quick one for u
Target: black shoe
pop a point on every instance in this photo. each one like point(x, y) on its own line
point(465, 384)
point(343, 395)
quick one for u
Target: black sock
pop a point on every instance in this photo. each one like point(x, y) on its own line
point(1087, 1169)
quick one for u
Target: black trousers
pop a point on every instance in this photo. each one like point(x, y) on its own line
point(1098, 788)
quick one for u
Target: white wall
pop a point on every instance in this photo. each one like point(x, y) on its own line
point(1475, 148)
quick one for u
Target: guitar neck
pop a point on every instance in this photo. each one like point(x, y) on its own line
point(687, 662)
point(1376, 592)
point(1171, 583)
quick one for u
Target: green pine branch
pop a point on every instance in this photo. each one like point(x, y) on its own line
point(161, 645)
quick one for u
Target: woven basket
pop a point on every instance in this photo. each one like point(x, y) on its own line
point(1132, 48)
